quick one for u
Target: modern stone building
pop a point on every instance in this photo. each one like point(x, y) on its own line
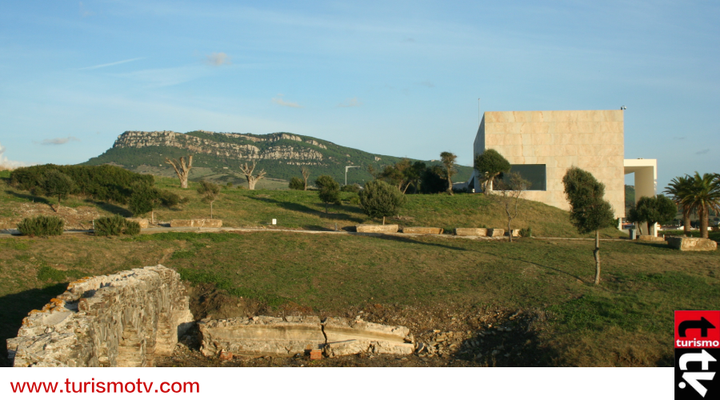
point(543, 145)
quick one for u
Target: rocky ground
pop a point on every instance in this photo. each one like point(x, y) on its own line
point(75, 218)
point(444, 335)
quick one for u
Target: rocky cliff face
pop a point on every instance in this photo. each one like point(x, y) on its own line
point(230, 145)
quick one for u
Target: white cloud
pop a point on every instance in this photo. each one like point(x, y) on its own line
point(8, 164)
point(218, 59)
point(354, 102)
point(280, 101)
point(58, 141)
point(110, 64)
point(84, 12)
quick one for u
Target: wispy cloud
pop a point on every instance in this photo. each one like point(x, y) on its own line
point(218, 59)
point(110, 64)
point(57, 141)
point(8, 164)
point(354, 102)
point(280, 101)
point(679, 137)
point(426, 84)
point(703, 152)
point(84, 12)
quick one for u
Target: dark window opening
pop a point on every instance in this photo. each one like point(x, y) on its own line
point(533, 173)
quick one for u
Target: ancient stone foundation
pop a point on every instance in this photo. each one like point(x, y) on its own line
point(297, 335)
point(423, 231)
point(143, 222)
point(120, 320)
point(368, 228)
point(691, 244)
point(471, 231)
point(496, 232)
point(196, 223)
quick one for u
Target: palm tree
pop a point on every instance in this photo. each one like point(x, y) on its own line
point(704, 195)
point(678, 190)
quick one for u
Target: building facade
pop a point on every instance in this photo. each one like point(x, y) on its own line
point(543, 145)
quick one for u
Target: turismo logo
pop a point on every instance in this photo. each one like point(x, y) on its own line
point(697, 351)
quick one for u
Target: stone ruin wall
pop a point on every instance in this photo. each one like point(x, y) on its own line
point(121, 320)
point(129, 318)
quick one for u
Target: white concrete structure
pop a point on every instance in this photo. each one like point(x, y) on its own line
point(645, 171)
point(543, 145)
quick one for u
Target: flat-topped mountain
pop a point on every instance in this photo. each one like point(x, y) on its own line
point(281, 155)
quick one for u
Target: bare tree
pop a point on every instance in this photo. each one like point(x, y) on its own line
point(248, 172)
point(182, 169)
point(305, 174)
point(511, 192)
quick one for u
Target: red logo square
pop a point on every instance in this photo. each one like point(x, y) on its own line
point(697, 329)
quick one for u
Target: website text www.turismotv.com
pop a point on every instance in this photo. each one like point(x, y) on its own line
point(93, 386)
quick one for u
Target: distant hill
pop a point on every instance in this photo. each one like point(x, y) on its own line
point(219, 155)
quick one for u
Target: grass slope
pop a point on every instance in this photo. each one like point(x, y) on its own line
point(625, 321)
point(239, 207)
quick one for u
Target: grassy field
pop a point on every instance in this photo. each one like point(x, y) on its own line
point(239, 207)
point(625, 321)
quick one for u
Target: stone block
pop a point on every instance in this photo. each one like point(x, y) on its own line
point(181, 223)
point(496, 232)
point(515, 233)
point(196, 223)
point(471, 231)
point(261, 335)
point(423, 231)
point(119, 320)
point(650, 238)
point(368, 228)
point(144, 223)
point(345, 337)
point(691, 244)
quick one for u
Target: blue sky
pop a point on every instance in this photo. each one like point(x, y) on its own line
point(390, 77)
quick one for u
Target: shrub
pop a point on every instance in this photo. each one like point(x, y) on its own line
point(329, 190)
point(353, 188)
point(296, 183)
point(115, 225)
point(131, 228)
point(42, 226)
point(102, 182)
point(170, 199)
point(56, 184)
point(526, 232)
point(380, 199)
point(143, 200)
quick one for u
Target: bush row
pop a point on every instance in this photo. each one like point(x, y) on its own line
point(53, 226)
point(102, 182)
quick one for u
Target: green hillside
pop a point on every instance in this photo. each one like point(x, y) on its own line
point(151, 159)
